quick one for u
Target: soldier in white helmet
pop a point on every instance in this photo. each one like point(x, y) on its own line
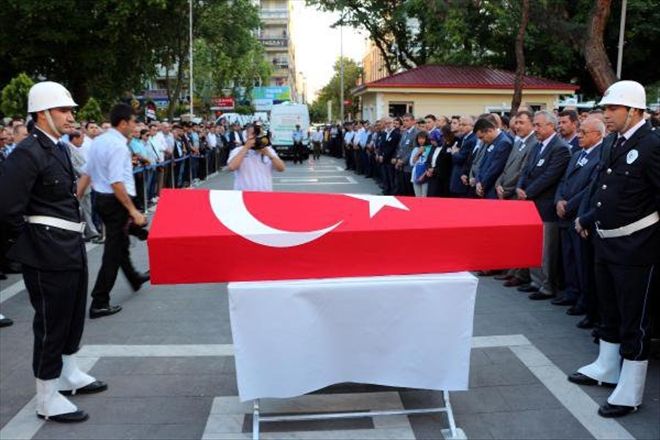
point(621, 217)
point(42, 215)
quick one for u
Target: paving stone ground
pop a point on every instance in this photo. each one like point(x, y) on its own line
point(174, 397)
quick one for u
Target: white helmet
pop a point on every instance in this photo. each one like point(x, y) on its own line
point(48, 94)
point(626, 93)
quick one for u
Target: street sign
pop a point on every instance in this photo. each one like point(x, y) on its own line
point(223, 103)
point(276, 93)
point(262, 105)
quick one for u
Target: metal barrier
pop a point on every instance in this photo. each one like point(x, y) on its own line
point(169, 165)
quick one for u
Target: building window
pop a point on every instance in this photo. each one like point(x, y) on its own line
point(397, 109)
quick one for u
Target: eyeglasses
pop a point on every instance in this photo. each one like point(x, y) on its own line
point(584, 133)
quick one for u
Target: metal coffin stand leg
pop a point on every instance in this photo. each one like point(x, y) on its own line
point(452, 433)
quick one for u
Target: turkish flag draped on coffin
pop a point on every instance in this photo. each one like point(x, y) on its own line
point(202, 236)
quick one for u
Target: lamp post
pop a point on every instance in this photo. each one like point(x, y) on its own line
point(190, 31)
point(341, 69)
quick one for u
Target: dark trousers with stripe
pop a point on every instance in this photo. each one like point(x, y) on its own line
point(626, 298)
point(59, 299)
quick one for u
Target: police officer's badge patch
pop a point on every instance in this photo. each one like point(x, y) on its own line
point(632, 156)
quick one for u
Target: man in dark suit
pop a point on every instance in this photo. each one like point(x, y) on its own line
point(538, 182)
point(498, 147)
point(467, 143)
point(389, 146)
point(568, 126)
point(575, 251)
point(621, 215)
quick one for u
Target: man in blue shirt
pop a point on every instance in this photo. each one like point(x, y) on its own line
point(297, 137)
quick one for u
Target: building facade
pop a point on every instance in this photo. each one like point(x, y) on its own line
point(275, 36)
point(454, 90)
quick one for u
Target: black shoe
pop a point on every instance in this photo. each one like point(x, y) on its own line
point(576, 311)
point(561, 301)
point(2, 275)
point(98, 312)
point(538, 296)
point(527, 289)
point(140, 280)
point(613, 411)
point(585, 323)
point(95, 387)
point(73, 417)
point(6, 322)
point(581, 379)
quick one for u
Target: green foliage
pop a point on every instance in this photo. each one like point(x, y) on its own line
point(482, 32)
point(91, 111)
point(15, 95)
point(105, 48)
point(331, 91)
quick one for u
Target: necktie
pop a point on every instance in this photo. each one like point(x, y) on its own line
point(583, 154)
point(619, 142)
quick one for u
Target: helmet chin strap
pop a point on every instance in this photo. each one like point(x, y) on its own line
point(51, 124)
point(626, 126)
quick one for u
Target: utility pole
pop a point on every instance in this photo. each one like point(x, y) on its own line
point(622, 31)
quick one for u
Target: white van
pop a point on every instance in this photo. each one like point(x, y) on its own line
point(283, 120)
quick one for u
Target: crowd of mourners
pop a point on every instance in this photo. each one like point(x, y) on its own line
point(493, 156)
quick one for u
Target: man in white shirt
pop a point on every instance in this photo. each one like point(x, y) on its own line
point(110, 170)
point(317, 139)
point(253, 165)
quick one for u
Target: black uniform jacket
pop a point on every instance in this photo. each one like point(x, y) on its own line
point(625, 190)
point(38, 179)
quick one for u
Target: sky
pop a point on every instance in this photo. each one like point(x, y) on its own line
point(317, 45)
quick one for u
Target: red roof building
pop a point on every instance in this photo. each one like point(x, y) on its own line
point(449, 90)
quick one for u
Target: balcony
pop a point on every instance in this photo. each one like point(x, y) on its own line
point(274, 15)
point(274, 43)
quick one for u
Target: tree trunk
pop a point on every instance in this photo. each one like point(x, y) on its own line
point(520, 58)
point(598, 64)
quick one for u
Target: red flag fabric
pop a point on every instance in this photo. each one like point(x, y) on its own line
point(202, 236)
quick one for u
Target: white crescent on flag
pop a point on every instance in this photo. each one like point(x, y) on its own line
point(229, 207)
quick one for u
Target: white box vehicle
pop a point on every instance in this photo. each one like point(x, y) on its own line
point(283, 120)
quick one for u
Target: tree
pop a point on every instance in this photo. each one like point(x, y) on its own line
point(595, 55)
point(520, 58)
point(331, 91)
point(483, 32)
point(14, 96)
point(226, 51)
point(91, 111)
point(108, 48)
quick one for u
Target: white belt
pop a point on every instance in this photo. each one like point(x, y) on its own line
point(627, 230)
point(57, 223)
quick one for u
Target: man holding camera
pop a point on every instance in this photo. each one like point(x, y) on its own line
point(254, 161)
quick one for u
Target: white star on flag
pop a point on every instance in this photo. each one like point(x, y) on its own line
point(376, 203)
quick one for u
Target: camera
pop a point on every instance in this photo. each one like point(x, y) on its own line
point(261, 138)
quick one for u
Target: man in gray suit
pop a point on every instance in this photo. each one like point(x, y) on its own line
point(407, 144)
point(538, 182)
point(506, 183)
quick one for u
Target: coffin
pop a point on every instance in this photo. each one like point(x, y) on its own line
point(202, 236)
